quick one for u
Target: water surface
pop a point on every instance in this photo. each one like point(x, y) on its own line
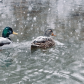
point(61, 64)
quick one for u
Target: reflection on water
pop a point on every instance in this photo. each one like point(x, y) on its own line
point(62, 64)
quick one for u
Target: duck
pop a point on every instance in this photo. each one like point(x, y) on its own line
point(44, 41)
point(4, 40)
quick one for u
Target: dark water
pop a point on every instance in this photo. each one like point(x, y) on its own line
point(62, 64)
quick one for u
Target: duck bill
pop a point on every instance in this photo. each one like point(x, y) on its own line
point(53, 34)
point(15, 33)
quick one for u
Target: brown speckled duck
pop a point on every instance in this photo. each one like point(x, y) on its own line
point(44, 41)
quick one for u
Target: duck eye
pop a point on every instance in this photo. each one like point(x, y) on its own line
point(50, 30)
point(10, 32)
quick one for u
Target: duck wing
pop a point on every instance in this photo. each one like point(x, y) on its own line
point(42, 41)
point(4, 41)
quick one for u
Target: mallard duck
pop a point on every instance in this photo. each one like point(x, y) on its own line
point(5, 36)
point(44, 41)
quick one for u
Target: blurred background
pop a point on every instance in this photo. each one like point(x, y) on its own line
point(62, 64)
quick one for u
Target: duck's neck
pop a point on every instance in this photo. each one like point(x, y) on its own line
point(46, 35)
point(5, 35)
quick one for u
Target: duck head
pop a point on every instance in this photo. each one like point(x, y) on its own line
point(49, 32)
point(7, 31)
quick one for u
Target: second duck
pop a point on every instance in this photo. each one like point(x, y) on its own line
point(44, 41)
